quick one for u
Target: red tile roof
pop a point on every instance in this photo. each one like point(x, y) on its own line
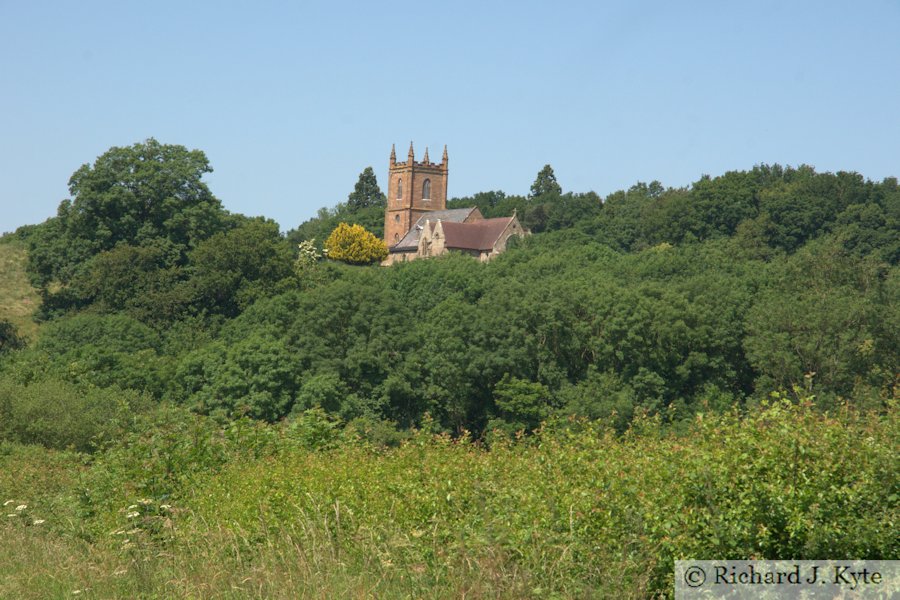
point(480, 235)
point(410, 241)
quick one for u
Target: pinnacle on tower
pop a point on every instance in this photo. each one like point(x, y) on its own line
point(425, 160)
point(445, 160)
point(411, 157)
point(393, 154)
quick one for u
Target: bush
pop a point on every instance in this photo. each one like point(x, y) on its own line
point(353, 244)
point(62, 415)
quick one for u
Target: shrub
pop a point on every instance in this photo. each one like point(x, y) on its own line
point(353, 244)
point(61, 415)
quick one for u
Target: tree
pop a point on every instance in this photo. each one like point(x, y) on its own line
point(521, 405)
point(232, 270)
point(366, 193)
point(354, 245)
point(131, 278)
point(9, 337)
point(545, 184)
point(134, 195)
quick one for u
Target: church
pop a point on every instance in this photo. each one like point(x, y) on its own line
point(417, 223)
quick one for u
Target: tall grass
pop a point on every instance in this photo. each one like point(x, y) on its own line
point(189, 509)
point(18, 299)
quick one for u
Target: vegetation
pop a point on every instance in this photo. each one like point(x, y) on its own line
point(17, 298)
point(366, 193)
point(354, 245)
point(183, 507)
point(364, 206)
point(205, 410)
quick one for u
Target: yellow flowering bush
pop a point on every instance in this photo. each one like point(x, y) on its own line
point(354, 245)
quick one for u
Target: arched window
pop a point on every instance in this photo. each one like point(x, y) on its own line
point(396, 237)
point(426, 190)
point(396, 218)
point(399, 187)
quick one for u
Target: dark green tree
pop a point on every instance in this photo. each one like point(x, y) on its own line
point(134, 195)
point(141, 280)
point(9, 337)
point(231, 270)
point(366, 193)
point(521, 405)
point(545, 184)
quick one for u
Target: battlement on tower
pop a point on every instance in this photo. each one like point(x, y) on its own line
point(414, 188)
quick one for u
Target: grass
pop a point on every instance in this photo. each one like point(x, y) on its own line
point(18, 299)
point(191, 510)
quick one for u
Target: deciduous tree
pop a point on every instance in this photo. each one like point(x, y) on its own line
point(135, 195)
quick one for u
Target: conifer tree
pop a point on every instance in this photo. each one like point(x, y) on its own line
point(366, 193)
point(545, 184)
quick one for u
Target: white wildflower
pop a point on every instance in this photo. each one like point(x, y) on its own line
point(133, 514)
point(132, 507)
point(165, 506)
point(21, 507)
point(8, 502)
point(12, 515)
point(39, 521)
point(145, 501)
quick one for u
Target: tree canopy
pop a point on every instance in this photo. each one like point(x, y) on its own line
point(141, 194)
point(654, 299)
point(545, 183)
point(366, 193)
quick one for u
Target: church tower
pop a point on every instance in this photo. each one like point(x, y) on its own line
point(414, 189)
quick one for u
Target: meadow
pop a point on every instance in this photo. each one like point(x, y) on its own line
point(193, 509)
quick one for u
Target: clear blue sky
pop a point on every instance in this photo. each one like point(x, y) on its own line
point(291, 100)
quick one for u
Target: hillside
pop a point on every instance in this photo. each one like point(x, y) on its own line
point(663, 373)
point(18, 299)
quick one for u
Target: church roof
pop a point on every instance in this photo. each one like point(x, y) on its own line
point(480, 235)
point(410, 241)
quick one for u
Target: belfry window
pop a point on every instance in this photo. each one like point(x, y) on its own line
point(399, 187)
point(426, 190)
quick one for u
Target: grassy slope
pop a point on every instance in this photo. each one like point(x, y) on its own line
point(18, 299)
point(578, 515)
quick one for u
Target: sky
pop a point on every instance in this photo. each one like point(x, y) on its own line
point(290, 101)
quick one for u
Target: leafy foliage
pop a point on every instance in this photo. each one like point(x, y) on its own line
point(354, 245)
point(9, 337)
point(242, 403)
point(61, 415)
point(664, 300)
point(246, 508)
point(230, 270)
point(143, 193)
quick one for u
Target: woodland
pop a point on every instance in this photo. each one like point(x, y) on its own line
point(660, 373)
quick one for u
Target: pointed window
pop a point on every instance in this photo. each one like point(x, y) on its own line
point(426, 190)
point(399, 187)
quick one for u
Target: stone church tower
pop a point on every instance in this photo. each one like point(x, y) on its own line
point(414, 190)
